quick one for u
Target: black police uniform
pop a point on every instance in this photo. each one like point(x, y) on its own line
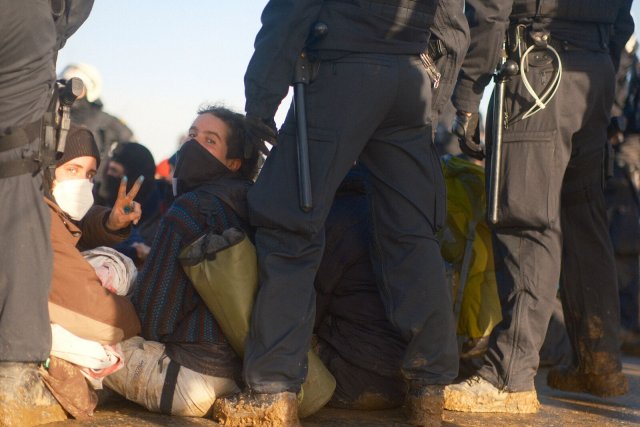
point(370, 98)
point(551, 199)
point(30, 36)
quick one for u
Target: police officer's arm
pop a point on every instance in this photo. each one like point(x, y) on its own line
point(69, 16)
point(488, 22)
point(451, 28)
point(285, 27)
point(622, 30)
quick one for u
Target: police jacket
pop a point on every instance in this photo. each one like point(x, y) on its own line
point(363, 26)
point(27, 57)
point(603, 25)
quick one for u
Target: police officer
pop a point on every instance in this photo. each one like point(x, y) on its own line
point(370, 98)
point(31, 33)
point(551, 203)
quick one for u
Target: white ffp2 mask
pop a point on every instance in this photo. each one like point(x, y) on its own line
point(74, 196)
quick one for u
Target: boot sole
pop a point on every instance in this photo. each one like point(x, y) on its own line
point(525, 402)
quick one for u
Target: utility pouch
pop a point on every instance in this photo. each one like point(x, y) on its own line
point(20, 137)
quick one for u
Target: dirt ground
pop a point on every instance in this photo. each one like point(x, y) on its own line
point(558, 410)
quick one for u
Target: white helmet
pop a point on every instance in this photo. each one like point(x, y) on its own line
point(89, 75)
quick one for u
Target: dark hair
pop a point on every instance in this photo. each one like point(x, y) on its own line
point(240, 143)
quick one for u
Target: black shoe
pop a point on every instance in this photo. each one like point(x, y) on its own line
point(423, 405)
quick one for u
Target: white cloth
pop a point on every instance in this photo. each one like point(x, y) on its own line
point(81, 352)
point(116, 271)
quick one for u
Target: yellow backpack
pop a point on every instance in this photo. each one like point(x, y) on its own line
point(466, 245)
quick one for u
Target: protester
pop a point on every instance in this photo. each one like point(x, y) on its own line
point(354, 338)
point(369, 97)
point(134, 161)
point(551, 204)
point(31, 33)
point(79, 305)
point(214, 170)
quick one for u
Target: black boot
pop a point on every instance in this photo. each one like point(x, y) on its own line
point(568, 378)
point(423, 405)
point(24, 399)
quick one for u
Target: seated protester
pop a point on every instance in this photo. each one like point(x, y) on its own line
point(79, 305)
point(133, 160)
point(77, 300)
point(355, 340)
point(213, 172)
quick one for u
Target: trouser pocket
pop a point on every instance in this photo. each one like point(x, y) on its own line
point(527, 197)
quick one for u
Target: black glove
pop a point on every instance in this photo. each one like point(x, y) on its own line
point(262, 130)
point(466, 128)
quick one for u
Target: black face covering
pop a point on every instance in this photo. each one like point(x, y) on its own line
point(108, 192)
point(196, 166)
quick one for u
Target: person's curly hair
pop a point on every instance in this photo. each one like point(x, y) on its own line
point(241, 144)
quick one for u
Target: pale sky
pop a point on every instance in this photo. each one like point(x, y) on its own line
point(161, 60)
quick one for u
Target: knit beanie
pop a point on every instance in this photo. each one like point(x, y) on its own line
point(80, 142)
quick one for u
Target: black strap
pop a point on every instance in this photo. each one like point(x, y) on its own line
point(169, 388)
point(18, 167)
point(17, 137)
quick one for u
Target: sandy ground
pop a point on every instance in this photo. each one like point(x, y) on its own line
point(558, 410)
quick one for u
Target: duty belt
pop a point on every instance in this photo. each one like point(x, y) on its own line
point(19, 137)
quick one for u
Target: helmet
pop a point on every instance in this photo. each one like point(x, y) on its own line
point(89, 75)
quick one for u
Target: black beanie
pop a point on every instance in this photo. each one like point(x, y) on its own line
point(80, 142)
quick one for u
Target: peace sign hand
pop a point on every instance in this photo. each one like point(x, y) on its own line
point(125, 210)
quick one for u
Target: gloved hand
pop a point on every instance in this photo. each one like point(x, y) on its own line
point(262, 130)
point(465, 127)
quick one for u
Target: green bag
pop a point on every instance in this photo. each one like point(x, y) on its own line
point(224, 271)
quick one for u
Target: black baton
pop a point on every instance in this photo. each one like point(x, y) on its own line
point(301, 77)
point(507, 69)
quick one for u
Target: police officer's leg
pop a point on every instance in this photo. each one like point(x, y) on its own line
point(290, 242)
point(588, 281)
point(408, 207)
point(25, 266)
point(25, 278)
point(526, 247)
point(588, 286)
point(527, 238)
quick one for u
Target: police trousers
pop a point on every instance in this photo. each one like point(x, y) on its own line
point(552, 229)
point(374, 108)
point(25, 265)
